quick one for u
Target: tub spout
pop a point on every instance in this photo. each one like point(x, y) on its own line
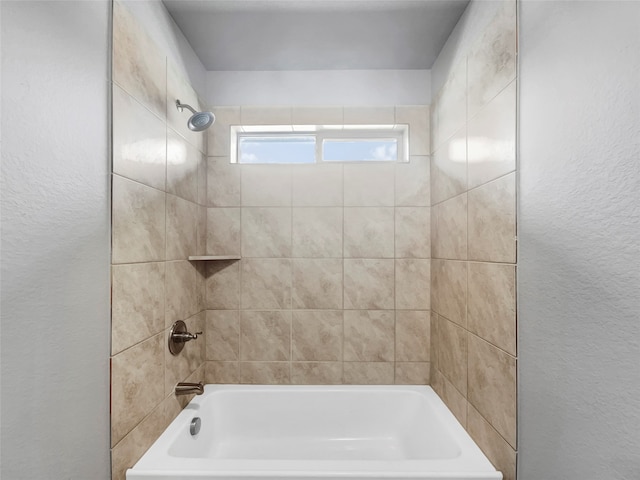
point(186, 388)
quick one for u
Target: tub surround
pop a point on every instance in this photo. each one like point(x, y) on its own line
point(316, 274)
point(158, 217)
point(473, 193)
point(333, 284)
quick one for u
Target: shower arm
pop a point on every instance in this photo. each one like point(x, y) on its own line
point(181, 106)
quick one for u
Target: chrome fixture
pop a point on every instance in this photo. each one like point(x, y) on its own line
point(199, 121)
point(178, 336)
point(196, 423)
point(186, 388)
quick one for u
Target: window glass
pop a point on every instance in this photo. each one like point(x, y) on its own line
point(277, 148)
point(360, 150)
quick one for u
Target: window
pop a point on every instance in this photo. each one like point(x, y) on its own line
point(293, 144)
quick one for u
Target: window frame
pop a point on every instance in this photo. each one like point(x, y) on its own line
point(398, 132)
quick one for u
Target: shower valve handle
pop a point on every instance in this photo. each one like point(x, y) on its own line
point(178, 336)
point(181, 337)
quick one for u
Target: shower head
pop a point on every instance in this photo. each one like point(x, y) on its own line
point(199, 121)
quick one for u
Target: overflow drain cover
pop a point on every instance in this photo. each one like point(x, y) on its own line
point(195, 425)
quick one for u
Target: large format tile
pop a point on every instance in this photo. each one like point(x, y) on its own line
point(222, 372)
point(412, 373)
point(181, 291)
point(137, 303)
point(449, 290)
point(317, 232)
point(492, 386)
point(266, 185)
point(449, 168)
point(491, 139)
point(417, 117)
point(492, 303)
point(201, 285)
point(318, 185)
point(383, 115)
point(368, 232)
point(223, 231)
point(434, 340)
point(412, 182)
point(130, 449)
point(368, 373)
point(453, 399)
point(492, 60)
point(139, 66)
point(452, 353)
point(138, 222)
point(182, 228)
point(369, 335)
point(412, 336)
point(499, 452)
point(202, 179)
point(413, 232)
point(449, 229)
point(369, 185)
point(317, 283)
point(201, 231)
point(266, 283)
point(223, 335)
point(369, 284)
point(492, 221)
point(316, 373)
point(451, 105)
point(266, 232)
point(265, 373)
point(223, 285)
point(218, 139)
point(223, 182)
point(317, 335)
point(265, 115)
point(139, 141)
point(265, 335)
point(137, 385)
point(316, 115)
point(413, 277)
point(182, 167)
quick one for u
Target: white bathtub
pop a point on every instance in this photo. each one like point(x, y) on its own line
point(311, 432)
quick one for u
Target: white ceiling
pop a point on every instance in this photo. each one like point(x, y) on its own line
point(316, 34)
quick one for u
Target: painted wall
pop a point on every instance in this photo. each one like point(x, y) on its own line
point(325, 87)
point(160, 26)
point(579, 235)
point(158, 215)
point(473, 235)
point(55, 240)
point(333, 285)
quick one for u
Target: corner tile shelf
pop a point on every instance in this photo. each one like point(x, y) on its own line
point(206, 258)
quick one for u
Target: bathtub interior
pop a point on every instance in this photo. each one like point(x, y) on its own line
point(306, 424)
point(253, 432)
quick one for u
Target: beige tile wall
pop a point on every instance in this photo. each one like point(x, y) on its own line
point(333, 285)
point(159, 219)
point(473, 271)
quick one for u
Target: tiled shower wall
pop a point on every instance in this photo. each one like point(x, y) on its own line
point(473, 193)
point(333, 285)
point(158, 217)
